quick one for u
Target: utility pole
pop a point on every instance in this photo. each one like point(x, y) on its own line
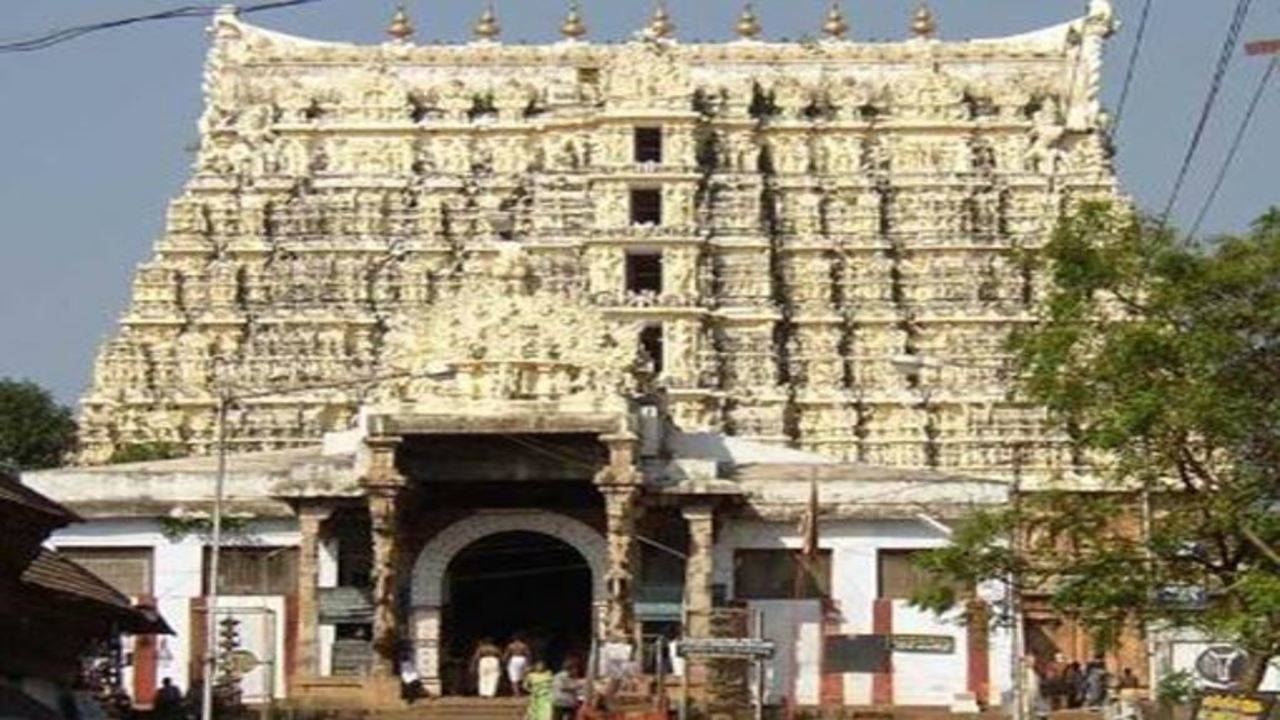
point(1015, 590)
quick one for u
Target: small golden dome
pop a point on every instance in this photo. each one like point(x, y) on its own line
point(748, 25)
point(923, 24)
point(400, 29)
point(487, 27)
point(660, 25)
point(573, 27)
point(835, 26)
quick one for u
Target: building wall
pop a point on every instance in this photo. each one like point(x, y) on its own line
point(176, 569)
point(797, 625)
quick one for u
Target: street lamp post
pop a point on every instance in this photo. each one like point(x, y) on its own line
point(225, 397)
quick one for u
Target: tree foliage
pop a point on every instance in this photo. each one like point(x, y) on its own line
point(142, 452)
point(35, 431)
point(1160, 359)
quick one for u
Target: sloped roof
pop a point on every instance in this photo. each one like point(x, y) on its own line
point(14, 492)
point(52, 572)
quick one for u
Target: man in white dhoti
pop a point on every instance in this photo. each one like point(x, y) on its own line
point(486, 664)
point(518, 658)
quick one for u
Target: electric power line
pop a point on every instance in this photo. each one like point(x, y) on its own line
point(58, 37)
point(1235, 146)
point(1224, 60)
point(1133, 63)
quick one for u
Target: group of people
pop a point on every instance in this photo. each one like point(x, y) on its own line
point(551, 696)
point(1063, 685)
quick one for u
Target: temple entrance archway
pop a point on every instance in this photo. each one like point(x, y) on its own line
point(486, 575)
point(509, 584)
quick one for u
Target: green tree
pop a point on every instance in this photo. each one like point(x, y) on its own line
point(1160, 359)
point(142, 452)
point(35, 431)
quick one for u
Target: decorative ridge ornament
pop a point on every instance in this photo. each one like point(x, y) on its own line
point(748, 25)
point(573, 27)
point(923, 24)
point(660, 25)
point(487, 27)
point(835, 26)
point(400, 29)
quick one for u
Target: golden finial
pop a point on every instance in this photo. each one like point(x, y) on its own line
point(923, 25)
point(573, 27)
point(835, 26)
point(660, 26)
point(748, 25)
point(400, 29)
point(487, 27)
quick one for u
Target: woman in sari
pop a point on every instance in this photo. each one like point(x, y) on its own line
point(538, 684)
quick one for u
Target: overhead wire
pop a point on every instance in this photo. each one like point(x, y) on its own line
point(1133, 64)
point(57, 37)
point(1235, 146)
point(1206, 110)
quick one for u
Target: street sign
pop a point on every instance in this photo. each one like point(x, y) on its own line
point(1262, 47)
point(1221, 664)
point(938, 644)
point(752, 648)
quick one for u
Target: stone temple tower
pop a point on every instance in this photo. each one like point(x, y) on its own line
point(812, 244)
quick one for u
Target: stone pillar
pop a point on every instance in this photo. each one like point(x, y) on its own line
point(698, 569)
point(310, 516)
point(620, 483)
point(383, 485)
point(425, 623)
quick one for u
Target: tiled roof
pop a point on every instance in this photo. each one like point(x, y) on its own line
point(51, 571)
point(55, 573)
point(13, 491)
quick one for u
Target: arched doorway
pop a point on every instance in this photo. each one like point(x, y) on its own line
point(512, 583)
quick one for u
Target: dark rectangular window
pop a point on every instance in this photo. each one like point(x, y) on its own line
point(128, 570)
point(255, 571)
point(898, 576)
point(780, 575)
point(651, 346)
point(648, 144)
point(646, 206)
point(644, 272)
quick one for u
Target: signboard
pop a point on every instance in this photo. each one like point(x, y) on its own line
point(753, 648)
point(855, 654)
point(936, 644)
point(1221, 664)
point(1232, 705)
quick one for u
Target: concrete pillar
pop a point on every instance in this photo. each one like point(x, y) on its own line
point(310, 516)
point(698, 568)
point(383, 485)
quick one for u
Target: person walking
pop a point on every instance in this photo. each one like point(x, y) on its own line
point(486, 666)
point(168, 703)
point(1095, 683)
point(566, 691)
point(516, 657)
point(538, 684)
point(1073, 685)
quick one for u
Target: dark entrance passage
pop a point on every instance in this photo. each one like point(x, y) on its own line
point(514, 583)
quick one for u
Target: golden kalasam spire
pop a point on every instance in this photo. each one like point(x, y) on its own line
point(835, 25)
point(748, 25)
point(660, 24)
point(573, 26)
point(400, 29)
point(923, 24)
point(487, 27)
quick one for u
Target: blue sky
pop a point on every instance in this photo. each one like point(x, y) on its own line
point(95, 134)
